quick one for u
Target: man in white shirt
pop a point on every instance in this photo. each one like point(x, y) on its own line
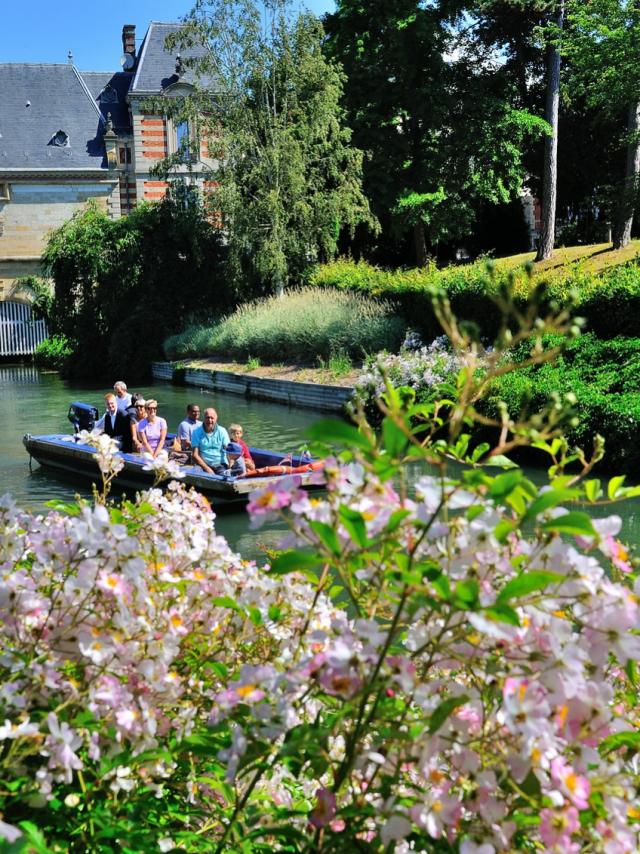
point(123, 398)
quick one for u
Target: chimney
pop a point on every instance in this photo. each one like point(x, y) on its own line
point(129, 39)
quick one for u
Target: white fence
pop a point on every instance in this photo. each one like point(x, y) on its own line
point(20, 334)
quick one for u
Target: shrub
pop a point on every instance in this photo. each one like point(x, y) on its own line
point(302, 325)
point(454, 669)
point(603, 376)
point(609, 302)
point(122, 286)
point(53, 352)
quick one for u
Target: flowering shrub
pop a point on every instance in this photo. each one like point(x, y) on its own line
point(447, 668)
point(424, 369)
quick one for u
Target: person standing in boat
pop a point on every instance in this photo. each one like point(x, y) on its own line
point(152, 430)
point(115, 423)
point(123, 398)
point(208, 444)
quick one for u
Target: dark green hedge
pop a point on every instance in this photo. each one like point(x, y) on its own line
point(610, 301)
point(603, 374)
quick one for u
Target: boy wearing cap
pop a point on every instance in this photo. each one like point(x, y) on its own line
point(237, 466)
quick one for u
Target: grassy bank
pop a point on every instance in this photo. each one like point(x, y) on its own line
point(603, 286)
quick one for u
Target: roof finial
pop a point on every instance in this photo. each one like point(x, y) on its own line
point(179, 65)
point(70, 57)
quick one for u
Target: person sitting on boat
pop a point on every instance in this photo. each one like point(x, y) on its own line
point(115, 423)
point(208, 443)
point(123, 398)
point(235, 434)
point(152, 430)
point(187, 427)
point(136, 412)
point(236, 463)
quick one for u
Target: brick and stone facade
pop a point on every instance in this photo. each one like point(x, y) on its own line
point(70, 136)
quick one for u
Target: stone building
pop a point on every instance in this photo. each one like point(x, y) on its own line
point(68, 136)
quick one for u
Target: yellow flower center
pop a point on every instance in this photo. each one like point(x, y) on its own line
point(245, 690)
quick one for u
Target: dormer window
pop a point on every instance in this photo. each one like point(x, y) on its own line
point(108, 95)
point(60, 139)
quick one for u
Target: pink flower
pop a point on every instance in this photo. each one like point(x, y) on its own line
point(325, 808)
point(557, 826)
point(113, 583)
point(576, 787)
point(265, 504)
point(340, 681)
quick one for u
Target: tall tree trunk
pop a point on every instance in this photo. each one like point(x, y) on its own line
point(420, 244)
point(626, 207)
point(550, 171)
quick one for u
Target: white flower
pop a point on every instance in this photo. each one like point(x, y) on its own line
point(164, 468)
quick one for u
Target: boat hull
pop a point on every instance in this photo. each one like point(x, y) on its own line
point(64, 454)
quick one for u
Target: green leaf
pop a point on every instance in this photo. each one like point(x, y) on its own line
point(501, 461)
point(548, 500)
point(502, 613)
point(443, 711)
point(620, 739)
point(592, 489)
point(294, 561)
point(354, 523)
point(467, 592)
point(227, 602)
point(441, 585)
point(615, 485)
point(334, 432)
point(528, 582)
point(327, 536)
point(505, 483)
point(503, 529)
point(575, 523)
point(395, 520)
point(394, 440)
point(479, 451)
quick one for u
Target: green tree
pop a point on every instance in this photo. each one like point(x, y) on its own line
point(121, 286)
point(442, 127)
point(287, 180)
point(604, 49)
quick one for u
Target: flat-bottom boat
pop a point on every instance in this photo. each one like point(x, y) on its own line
point(68, 454)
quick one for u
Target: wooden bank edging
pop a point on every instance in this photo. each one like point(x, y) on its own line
point(331, 398)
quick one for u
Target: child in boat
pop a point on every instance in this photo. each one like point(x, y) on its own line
point(237, 466)
point(235, 434)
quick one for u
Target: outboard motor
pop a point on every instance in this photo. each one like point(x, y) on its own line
point(83, 416)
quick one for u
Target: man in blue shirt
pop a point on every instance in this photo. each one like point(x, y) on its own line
point(209, 442)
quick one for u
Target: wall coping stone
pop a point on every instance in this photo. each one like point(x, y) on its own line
point(331, 398)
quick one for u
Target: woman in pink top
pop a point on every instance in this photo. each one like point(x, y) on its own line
point(152, 430)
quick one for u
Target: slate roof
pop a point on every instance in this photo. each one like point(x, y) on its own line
point(37, 101)
point(106, 87)
point(157, 66)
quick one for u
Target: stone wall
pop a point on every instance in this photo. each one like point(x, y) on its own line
point(33, 211)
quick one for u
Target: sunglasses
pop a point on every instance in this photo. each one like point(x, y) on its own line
point(151, 408)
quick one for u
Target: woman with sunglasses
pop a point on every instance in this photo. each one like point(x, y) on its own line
point(152, 430)
point(136, 413)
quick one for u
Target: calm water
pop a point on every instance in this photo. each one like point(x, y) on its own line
point(37, 402)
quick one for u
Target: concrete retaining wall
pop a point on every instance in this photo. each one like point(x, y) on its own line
point(309, 395)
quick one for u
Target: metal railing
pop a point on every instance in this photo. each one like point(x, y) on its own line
point(20, 334)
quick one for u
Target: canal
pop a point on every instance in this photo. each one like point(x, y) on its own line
point(33, 401)
point(37, 402)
